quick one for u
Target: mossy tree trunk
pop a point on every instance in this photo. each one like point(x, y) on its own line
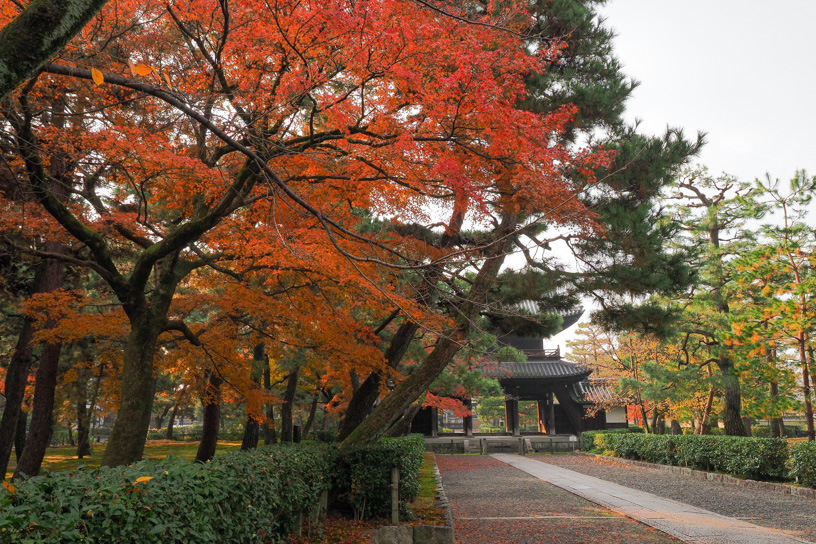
point(37, 34)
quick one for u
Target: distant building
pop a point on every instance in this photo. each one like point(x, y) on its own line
point(568, 400)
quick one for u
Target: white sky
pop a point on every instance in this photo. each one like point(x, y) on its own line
point(742, 71)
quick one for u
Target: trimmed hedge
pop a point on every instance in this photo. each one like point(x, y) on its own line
point(236, 497)
point(364, 475)
point(755, 458)
point(588, 437)
point(803, 463)
point(192, 433)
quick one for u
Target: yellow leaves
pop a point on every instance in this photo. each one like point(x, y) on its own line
point(97, 77)
point(139, 69)
point(141, 479)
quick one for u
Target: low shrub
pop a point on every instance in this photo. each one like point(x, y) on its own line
point(588, 437)
point(802, 463)
point(697, 451)
point(756, 458)
point(192, 433)
point(237, 497)
point(762, 431)
point(364, 474)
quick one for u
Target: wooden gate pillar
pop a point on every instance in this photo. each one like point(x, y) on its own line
point(511, 411)
point(467, 421)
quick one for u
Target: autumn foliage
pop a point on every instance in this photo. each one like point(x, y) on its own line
point(262, 172)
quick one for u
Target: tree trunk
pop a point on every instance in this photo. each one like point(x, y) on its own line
point(806, 386)
point(83, 428)
point(394, 405)
point(127, 440)
point(252, 425)
point(747, 423)
point(777, 427)
point(364, 397)
point(732, 404)
point(41, 427)
point(269, 433)
point(212, 418)
point(287, 425)
point(49, 278)
point(310, 420)
point(162, 415)
point(16, 378)
point(168, 435)
point(676, 429)
point(37, 34)
point(403, 425)
point(251, 434)
point(20, 435)
point(644, 417)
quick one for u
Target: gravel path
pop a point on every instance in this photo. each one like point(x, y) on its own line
point(794, 515)
point(494, 503)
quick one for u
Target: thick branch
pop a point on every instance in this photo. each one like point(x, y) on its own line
point(37, 34)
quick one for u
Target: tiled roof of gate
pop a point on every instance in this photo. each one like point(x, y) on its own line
point(536, 369)
point(595, 391)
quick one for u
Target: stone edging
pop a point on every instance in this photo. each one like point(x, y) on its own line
point(782, 489)
point(442, 498)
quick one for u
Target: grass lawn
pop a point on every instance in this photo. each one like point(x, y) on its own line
point(64, 457)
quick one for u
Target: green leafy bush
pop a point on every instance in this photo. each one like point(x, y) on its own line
point(763, 431)
point(237, 497)
point(588, 437)
point(802, 463)
point(192, 433)
point(364, 474)
point(697, 451)
point(756, 458)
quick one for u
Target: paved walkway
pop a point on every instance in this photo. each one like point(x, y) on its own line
point(493, 503)
point(683, 521)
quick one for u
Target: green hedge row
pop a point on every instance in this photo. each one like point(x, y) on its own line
point(237, 497)
point(803, 463)
point(755, 458)
point(192, 433)
point(588, 437)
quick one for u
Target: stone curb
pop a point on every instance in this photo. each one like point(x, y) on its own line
point(770, 487)
point(442, 498)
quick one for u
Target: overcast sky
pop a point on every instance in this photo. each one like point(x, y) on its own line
point(743, 72)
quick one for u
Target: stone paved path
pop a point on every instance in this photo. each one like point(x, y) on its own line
point(493, 503)
point(683, 521)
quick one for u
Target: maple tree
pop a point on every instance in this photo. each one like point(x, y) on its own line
point(293, 116)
